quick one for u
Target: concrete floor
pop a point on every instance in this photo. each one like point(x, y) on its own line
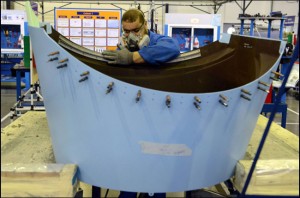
point(8, 99)
point(292, 122)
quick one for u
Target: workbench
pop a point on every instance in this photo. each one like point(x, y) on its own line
point(27, 141)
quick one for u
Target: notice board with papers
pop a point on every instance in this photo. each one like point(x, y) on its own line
point(94, 29)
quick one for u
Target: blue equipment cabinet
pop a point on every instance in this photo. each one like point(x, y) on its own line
point(193, 31)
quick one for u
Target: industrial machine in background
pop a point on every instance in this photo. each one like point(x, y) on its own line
point(16, 68)
point(14, 41)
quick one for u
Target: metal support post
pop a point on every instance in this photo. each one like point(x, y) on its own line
point(269, 28)
point(96, 192)
point(281, 29)
point(252, 27)
point(242, 27)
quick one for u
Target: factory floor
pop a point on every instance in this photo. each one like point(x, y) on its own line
point(8, 99)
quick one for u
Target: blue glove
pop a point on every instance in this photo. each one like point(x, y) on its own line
point(121, 57)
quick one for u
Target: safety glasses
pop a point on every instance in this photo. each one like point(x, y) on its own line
point(136, 30)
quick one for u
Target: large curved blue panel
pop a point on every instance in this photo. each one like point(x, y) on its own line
point(143, 146)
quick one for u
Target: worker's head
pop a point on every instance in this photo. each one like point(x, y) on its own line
point(133, 21)
point(134, 26)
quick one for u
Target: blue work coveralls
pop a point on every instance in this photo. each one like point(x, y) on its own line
point(161, 49)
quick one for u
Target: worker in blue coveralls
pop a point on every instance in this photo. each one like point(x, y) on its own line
point(140, 45)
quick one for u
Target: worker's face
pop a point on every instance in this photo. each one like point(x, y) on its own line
point(135, 35)
point(135, 27)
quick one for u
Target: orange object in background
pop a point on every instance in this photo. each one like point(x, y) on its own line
point(294, 39)
point(33, 61)
point(269, 96)
point(33, 71)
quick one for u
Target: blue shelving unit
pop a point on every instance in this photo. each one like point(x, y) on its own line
point(267, 108)
point(269, 19)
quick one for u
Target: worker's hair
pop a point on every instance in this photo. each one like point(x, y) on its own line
point(132, 15)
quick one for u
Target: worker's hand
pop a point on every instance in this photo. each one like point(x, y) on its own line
point(122, 57)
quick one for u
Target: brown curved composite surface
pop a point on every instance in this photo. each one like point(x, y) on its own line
point(220, 67)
